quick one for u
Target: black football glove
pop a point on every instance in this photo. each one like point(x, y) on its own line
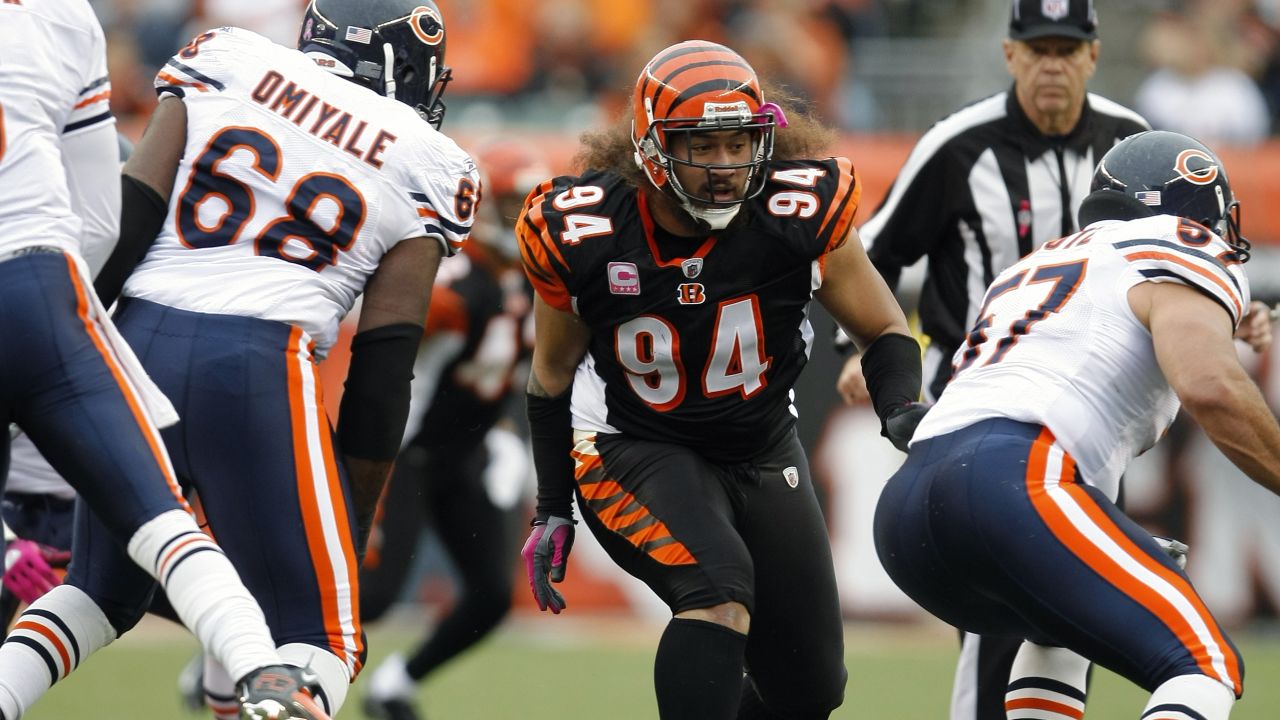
point(900, 424)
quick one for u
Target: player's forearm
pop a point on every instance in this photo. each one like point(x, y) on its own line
point(551, 438)
point(372, 415)
point(91, 156)
point(367, 478)
point(1236, 418)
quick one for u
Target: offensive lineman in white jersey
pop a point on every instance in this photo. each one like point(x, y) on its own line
point(74, 387)
point(1003, 522)
point(272, 188)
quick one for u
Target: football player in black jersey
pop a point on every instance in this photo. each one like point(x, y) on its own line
point(673, 281)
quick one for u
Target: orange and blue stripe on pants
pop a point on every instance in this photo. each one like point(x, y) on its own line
point(256, 444)
point(991, 529)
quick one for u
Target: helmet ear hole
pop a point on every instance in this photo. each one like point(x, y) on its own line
point(649, 148)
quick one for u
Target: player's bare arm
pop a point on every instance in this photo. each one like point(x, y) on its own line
point(1193, 343)
point(145, 184)
point(857, 297)
point(561, 342)
point(155, 159)
point(392, 316)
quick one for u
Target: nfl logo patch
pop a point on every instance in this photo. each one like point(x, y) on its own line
point(1054, 9)
point(792, 476)
point(624, 278)
point(1148, 197)
point(691, 267)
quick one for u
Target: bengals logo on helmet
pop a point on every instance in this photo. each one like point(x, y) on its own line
point(1205, 172)
point(427, 25)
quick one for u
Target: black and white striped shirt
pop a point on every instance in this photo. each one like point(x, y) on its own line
point(982, 188)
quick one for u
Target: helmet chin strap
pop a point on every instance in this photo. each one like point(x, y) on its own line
point(713, 218)
point(388, 77)
point(707, 218)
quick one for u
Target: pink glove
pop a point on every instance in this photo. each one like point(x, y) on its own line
point(28, 573)
point(546, 553)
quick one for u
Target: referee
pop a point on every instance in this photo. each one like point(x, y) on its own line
point(982, 188)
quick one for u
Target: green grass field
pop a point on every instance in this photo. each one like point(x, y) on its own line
point(562, 668)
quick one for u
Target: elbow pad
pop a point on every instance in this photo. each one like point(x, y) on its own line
point(375, 403)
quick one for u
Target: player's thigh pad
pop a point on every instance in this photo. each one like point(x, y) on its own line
point(668, 517)
point(795, 649)
point(992, 529)
point(64, 385)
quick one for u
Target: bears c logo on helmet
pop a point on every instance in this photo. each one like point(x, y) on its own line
point(1205, 173)
point(427, 25)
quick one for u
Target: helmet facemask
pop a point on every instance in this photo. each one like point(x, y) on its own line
point(1228, 227)
point(698, 87)
point(659, 140)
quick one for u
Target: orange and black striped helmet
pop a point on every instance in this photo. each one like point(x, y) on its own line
point(699, 86)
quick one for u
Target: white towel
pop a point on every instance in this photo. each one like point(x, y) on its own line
point(155, 403)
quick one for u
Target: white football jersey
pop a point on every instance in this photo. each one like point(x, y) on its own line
point(294, 183)
point(30, 473)
point(1057, 344)
point(53, 84)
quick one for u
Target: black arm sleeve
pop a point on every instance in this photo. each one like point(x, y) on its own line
point(551, 434)
point(142, 212)
point(375, 403)
point(891, 366)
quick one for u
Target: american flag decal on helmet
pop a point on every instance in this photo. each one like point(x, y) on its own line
point(359, 34)
point(1148, 197)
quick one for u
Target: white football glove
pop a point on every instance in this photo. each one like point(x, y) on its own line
point(1174, 549)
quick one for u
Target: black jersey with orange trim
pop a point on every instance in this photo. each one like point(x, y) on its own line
point(694, 340)
point(484, 306)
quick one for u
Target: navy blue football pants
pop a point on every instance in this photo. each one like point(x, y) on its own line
point(63, 384)
point(991, 529)
point(255, 444)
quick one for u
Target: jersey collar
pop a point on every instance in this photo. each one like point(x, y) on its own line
point(646, 220)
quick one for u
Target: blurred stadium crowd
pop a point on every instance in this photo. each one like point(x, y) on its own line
point(566, 64)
